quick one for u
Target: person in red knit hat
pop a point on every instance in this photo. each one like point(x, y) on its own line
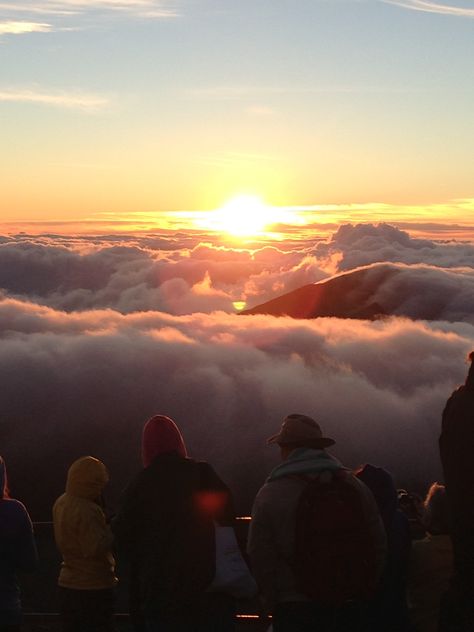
point(165, 529)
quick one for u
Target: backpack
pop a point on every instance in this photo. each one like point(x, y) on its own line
point(334, 555)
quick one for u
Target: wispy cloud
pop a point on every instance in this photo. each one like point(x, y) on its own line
point(20, 28)
point(433, 7)
point(140, 8)
point(73, 100)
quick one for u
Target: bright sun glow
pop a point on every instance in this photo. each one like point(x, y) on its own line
point(242, 216)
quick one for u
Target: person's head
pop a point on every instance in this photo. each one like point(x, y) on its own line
point(299, 431)
point(161, 436)
point(87, 478)
point(4, 493)
point(380, 483)
point(437, 510)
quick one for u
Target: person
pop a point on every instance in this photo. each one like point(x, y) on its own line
point(84, 539)
point(165, 530)
point(431, 563)
point(17, 553)
point(388, 611)
point(316, 543)
point(456, 445)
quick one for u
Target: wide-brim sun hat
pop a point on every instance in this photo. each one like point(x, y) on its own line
point(300, 429)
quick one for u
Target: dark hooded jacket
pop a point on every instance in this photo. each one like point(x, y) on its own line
point(165, 527)
point(389, 610)
point(17, 549)
point(457, 456)
point(165, 531)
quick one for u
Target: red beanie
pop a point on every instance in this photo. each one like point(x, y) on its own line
point(161, 435)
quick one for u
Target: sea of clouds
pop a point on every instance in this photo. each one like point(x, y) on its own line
point(97, 334)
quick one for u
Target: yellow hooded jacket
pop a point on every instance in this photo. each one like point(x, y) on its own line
point(80, 529)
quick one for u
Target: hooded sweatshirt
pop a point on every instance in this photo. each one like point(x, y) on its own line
point(165, 525)
point(80, 530)
point(271, 540)
point(17, 549)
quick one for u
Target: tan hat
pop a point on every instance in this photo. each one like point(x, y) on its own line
point(298, 429)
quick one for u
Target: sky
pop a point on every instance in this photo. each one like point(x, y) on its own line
point(166, 164)
point(113, 110)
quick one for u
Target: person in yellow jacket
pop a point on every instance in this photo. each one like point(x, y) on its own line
point(84, 539)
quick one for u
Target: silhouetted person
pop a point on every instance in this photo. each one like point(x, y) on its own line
point(457, 456)
point(17, 553)
point(388, 610)
point(84, 539)
point(165, 530)
point(431, 563)
point(317, 543)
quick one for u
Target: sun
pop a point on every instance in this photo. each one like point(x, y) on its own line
point(243, 216)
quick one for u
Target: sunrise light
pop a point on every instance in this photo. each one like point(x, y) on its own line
point(243, 215)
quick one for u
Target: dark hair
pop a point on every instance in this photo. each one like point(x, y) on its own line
point(437, 510)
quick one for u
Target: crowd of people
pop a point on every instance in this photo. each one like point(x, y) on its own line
point(331, 550)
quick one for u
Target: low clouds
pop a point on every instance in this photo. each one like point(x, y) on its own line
point(362, 244)
point(148, 274)
point(418, 292)
point(97, 333)
point(84, 383)
point(182, 274)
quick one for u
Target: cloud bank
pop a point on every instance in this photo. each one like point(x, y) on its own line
point(99, 332)
point(85, 382)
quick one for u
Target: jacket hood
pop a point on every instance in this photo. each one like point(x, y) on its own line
point(161, 436)
point(86, 478)
point(3, 479)
point(306, 461)
point(380, 483)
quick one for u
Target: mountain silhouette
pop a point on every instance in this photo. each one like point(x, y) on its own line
point(374, 291)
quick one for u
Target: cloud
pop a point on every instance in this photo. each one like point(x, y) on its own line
point(20, 28)
point(416, 291)
point(99, 332)
point(83, 383)
point(146, 273)
point(362, 244)
point(433, 7)
point(167, 271)
point(139, 8)
point(69, 100)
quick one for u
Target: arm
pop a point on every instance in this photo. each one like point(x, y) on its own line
point(27, 554)
point(95, 535)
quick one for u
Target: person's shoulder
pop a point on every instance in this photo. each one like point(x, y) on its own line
point(15, 507)
point(15, 513)
point(276, 488)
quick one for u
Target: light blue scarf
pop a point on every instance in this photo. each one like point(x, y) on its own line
point(306, 461)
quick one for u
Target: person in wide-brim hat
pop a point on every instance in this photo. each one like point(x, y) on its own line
point(300, 430)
